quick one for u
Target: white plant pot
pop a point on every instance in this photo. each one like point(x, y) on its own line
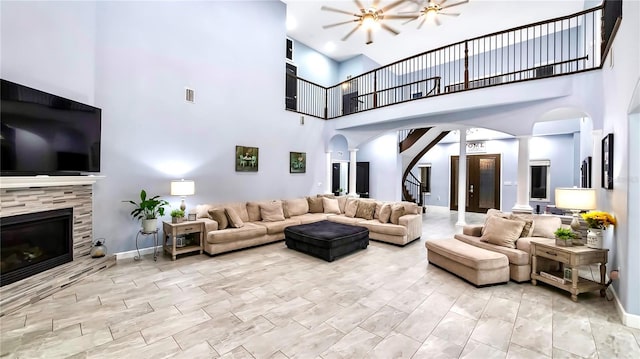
point(594, 238)
point(149, 225)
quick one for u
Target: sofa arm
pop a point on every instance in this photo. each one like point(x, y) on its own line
point(413, 223)
point(473, 230)
point(209, 225)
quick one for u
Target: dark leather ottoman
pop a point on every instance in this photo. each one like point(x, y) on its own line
point(326, 240)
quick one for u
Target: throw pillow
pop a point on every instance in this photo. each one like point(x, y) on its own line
point(365, 209)
point(397, 211)
point(544, 226)
point(491, 212)
point(385, 213)
point(328, 195)
point(528, 224)
point(315, 204)
point(376, 213)
point(351, 208)
point(202, 211)
point(330, 205)
point(218, 215)
point(233, 217)
point(342, 202)
point(271, 211)
point(502, 232)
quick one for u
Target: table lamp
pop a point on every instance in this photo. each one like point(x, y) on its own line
point(576, 200)
point(183, 188)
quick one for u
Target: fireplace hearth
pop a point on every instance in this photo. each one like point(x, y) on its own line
point(35, 242)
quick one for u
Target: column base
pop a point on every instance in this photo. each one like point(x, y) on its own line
point(522, 208)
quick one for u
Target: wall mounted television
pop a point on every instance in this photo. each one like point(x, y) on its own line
point(45, 134)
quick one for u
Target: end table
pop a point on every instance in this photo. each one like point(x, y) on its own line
point(173, 230)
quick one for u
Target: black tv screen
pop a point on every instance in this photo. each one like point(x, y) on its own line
point(41, 133)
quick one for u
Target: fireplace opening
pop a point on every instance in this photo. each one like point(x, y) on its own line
point(34, 242)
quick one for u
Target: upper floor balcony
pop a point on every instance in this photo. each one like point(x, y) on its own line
point(565, 45)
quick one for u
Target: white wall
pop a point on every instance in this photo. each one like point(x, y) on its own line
point(384, 166)
point(314, 66)
point(141, 57)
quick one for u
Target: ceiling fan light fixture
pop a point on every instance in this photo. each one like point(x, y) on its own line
point(370, 20)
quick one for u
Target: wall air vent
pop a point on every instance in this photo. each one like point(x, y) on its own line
point(189, 95)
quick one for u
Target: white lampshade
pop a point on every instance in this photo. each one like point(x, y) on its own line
point(576, 198)
point(183, 188)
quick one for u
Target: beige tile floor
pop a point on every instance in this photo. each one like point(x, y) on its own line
point(271, 302)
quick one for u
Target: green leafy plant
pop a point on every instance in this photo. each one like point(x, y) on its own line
point(148, 208)
point(177, 213)
point(565, 234)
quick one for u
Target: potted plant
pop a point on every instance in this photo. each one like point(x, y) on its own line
point(597, 221)
point(148, 210)
point(177, 215)
point(564, 237)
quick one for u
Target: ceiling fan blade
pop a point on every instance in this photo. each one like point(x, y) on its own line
point(409, 12)
point(437, 21)
point(396, 17)
point(358, 4)
point(351, 32)
point(327, 8)
point(338, 24)
point(392, 5)
point(375, 4)
point(449, 14)
point(389, 28)
point(412, 19)
point(422, 22)
point(369, 36)
point(442, 3)
point(452, 5)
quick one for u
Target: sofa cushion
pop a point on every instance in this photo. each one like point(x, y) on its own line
point(248, 231)
point(330, 205)
point(397, 211)
point(295, 207)
point(374, 225)
point(516, 256)
point(544, 226)
point(410, 207)
point(502, 232)
point(233, 217)
point(311, 217)
point(365, 209)
point(326, 195)
point(492, 212)
point(473, 230)
point(341, 218)
point(385, 213)
point(220, 216)
point(271, 211)
point(253, 211)
point(239, 207)
point(351, 208)
point(528, 223)
point(279, 226)
point(342, 202)
point(315, 204)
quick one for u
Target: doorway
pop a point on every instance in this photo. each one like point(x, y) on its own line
point(291, 88)
point(483, 183)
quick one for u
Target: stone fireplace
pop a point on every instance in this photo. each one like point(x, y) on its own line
point(39, 197)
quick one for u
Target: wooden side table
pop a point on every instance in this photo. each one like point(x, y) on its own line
point(569, 257)
point(173, 230)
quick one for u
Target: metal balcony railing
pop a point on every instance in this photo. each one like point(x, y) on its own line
point(557, 47)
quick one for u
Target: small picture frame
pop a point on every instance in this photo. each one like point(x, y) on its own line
point(191, 217)
point(297, 162)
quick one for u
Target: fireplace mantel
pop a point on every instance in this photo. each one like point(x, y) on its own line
point(46, 181)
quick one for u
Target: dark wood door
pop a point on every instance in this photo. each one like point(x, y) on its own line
point(335, 178)
point(291, 88)
point(483, 183)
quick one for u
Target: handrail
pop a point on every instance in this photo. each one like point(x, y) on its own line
point(563, 45)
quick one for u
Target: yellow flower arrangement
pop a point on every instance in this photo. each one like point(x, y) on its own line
point(598, 219)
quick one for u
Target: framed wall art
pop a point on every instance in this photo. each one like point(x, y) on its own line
point(607, 162)
point(246, 159)
point(297, 162)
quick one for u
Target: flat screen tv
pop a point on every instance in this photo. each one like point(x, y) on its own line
point(45, 134)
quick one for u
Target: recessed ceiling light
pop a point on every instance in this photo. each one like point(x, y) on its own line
point(329, 46)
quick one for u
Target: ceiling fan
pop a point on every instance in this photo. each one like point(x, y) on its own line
point(432, 9)
point(368, 18)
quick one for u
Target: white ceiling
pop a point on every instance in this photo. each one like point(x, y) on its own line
point(477, 17)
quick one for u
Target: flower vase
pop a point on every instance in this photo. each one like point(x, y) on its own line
point(594, 238)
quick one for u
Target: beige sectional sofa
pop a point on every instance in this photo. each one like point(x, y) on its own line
point(264, 221)
point(495, 236)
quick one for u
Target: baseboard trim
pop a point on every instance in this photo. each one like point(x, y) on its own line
point(630, 320)
point(134, 253)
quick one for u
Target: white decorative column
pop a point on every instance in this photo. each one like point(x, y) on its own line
point(522, 201)
point(462, 179)
point(352, 172)
point(327, 178)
